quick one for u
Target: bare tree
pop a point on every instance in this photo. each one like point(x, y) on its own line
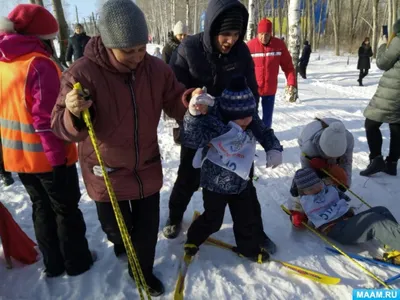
point(336, 24)
point(251, 25)
point(63, 32)
point(294, 35)
point(375, 26)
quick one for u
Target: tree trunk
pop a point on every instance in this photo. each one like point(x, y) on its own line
point(76, 14)
point(187, 15)
point(389, 23)
point(280, 23)
point(273, 17)
point(294, 33)
point(394, 12)
point(313, 35)
point(38, 2)
point(251, 24)
point(63, 28)
point(287, 19)
point(336, 29)
point(375, 26)
point(173, 13)
point(196, 16)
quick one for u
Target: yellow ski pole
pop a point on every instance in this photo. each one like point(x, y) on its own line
point(340, 183)
point(132, 257)
point(322, 237)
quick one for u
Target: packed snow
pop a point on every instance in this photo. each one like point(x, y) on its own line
point(330, 90)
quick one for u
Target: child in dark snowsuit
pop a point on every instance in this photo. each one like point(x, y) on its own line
point(327, 208)
point(226, 140)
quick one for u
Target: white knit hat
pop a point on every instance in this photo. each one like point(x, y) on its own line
point(333, 140)
point(180, 28)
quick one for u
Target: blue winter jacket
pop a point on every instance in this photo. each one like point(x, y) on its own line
point(200, 130)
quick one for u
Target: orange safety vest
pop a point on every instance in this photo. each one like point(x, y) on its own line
point(22, 147)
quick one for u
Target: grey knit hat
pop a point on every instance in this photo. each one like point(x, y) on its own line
point(122, 24)
point(306, 178)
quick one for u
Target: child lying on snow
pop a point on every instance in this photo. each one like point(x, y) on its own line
point(327, 208)
point(226, 141)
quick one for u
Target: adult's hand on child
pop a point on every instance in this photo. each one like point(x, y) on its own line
point(274, 158)
point(297, 218)
point(200, 102)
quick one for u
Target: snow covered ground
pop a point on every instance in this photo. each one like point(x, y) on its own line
point(330, 90)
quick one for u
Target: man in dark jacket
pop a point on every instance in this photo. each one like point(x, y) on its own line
point(175, 38)
point(211, 59)
point(76, 44)
point(304, 59)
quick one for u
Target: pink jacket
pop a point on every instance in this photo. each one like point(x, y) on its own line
point(41, 90)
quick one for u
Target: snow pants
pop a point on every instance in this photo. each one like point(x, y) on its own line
point(268, 103)
point(375, 223)
point(142, 218)
point(188, 182)
point(245, 224)
point(58, 222)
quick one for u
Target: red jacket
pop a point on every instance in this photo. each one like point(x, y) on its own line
point(267, 59)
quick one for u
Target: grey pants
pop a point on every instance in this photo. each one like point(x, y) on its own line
point(375, 223)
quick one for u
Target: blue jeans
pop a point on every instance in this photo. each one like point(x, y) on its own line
point(268, 103)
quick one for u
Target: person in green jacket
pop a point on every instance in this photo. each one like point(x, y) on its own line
point(385, 108)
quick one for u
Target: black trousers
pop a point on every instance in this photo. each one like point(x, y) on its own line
point(245, 226)
point(59, 225)
point(363, 73)
point(188, 182)
point(374, 138)
point(142, 218)
point(303, 70)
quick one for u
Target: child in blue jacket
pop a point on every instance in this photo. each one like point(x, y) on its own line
point(226, 141)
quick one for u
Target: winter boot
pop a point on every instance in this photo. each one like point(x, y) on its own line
point(190, 249)
point(260, 258)
point(6, 178)
point(376, 165)
point(119, 250)
point(171, 230)
point(360, 81)
point(268, 245)
point(391, 167)
point(155, 286)
point(392, 257)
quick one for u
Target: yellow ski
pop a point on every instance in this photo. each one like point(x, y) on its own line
point(180, 283)
point(303, 272)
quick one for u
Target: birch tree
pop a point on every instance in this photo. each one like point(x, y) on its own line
point(251, 24)
point(63, 28)
point(294, 36)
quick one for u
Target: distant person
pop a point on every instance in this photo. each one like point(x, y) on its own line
point(364, 59)
point(76, 44)
point(304, 59)
point(157, 53)
point(178, 35)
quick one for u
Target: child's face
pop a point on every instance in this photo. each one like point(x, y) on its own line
point(314, 189)
point(244, 122)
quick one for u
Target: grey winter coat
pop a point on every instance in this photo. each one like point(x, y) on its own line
point(385, 105)
point(309, 145)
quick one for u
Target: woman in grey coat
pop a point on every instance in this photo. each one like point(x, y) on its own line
point(385, 108)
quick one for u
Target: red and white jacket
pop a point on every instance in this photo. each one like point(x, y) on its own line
point(267, 59)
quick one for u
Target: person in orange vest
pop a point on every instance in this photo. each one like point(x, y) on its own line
point(30, 82)
point(269, 53)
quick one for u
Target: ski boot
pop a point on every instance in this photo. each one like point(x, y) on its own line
point(268, 245)
point(171, 230)
point(260, 258)
point(392, 257)
point(391, 167)
point(376, 165)
point(190, 249)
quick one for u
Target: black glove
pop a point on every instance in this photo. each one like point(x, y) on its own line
point(293, 190)
point(60, 178)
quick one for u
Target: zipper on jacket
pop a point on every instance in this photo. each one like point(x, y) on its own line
point(135, 136)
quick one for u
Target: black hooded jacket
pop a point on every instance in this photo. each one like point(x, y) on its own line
point(197, 63)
